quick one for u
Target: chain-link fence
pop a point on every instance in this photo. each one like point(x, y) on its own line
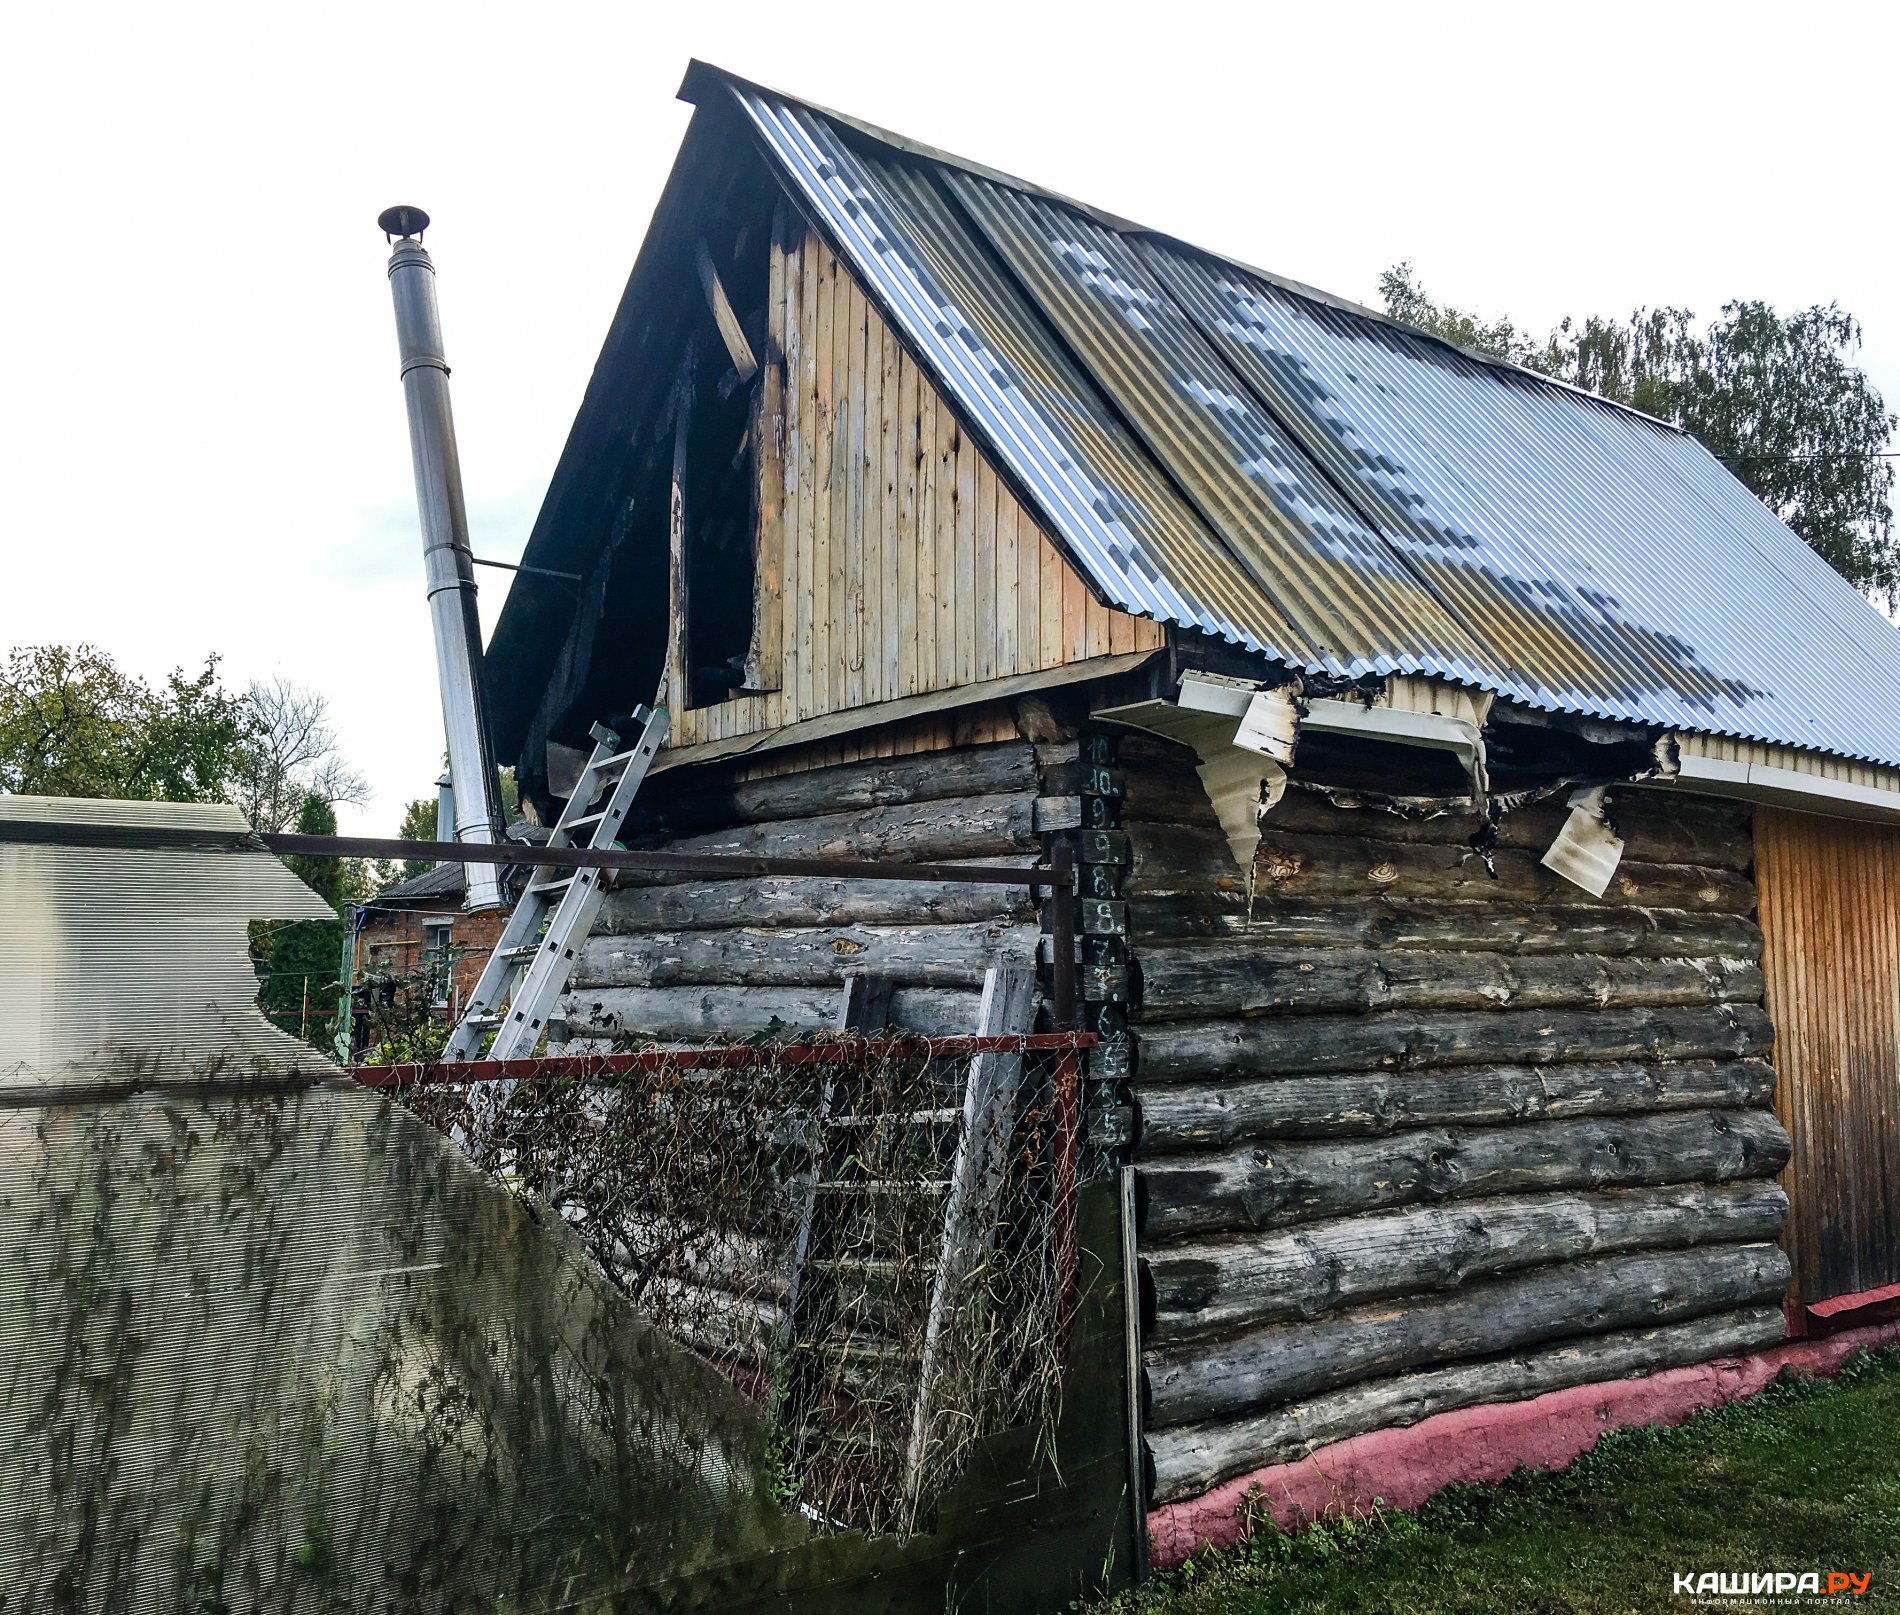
point(874, 1238)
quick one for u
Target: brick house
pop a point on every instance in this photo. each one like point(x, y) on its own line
point(419, 924)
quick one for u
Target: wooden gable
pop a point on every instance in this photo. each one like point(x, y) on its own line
point(891, 559)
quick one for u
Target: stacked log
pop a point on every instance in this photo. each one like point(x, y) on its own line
point(682, 957)
point(1420, 1125)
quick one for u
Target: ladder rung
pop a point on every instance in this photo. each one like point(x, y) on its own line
point(538, 969)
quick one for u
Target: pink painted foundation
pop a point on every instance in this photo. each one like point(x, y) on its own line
point(1404, 1466)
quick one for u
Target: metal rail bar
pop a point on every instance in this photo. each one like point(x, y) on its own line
point(732, 865)
point(736, 1056)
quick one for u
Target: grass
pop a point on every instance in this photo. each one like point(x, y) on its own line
point(1805, 1476)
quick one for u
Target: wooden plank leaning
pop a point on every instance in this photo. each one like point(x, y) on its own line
point(976, 1181)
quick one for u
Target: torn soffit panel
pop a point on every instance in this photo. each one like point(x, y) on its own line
point(1433, 730)
point(129, 964)
point(1244, 737)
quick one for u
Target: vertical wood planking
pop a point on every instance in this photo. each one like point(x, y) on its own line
point(765, 656)
point(984, 626)
point(887, 615)
point(1829, 895)
point(945, 673)
point(1008, 582)
point(907, 525)
point(813, 683)
point(859, 561)
point(924, 540)
point(838, 553)
point(1049, 622)
point(963, 670)
point(1075, 617)
point(901, 561)
point(791, 318)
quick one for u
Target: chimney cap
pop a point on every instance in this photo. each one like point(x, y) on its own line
point(402, 220)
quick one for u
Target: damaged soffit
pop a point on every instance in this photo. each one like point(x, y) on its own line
point(1237, 454)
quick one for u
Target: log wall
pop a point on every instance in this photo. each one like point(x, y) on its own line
point(688, 958)
point(1416, 1129)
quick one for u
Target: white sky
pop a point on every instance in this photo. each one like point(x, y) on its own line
point(202, 443)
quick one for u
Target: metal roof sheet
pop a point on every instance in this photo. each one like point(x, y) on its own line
point(1014, 385)
point(1236, 454)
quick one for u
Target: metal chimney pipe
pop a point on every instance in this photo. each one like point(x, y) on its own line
point(445, 808)
point(446, 556)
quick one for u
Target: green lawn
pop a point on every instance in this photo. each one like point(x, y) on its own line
point(1805, 1476)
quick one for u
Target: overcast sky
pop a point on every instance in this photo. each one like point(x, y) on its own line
point(202, 444)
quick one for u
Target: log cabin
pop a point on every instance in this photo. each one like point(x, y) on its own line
point(1488, 810)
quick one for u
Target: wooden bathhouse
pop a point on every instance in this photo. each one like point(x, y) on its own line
point(1489, 812)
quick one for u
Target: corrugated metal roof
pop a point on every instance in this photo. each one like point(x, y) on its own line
point(437, 881)
point(1013, 383)
point(1331, 574)
point(1237, 454)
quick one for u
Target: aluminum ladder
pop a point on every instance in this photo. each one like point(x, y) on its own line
point(529, 968)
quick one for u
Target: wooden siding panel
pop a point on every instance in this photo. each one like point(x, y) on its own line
point(1049, 618)
point(948, 581)
point(837, 643)
point(983, 631)
point(904, 656)
point(1830, 914)
point(888, 615)
point(859, 562)
point(923, 538)
point(902, 560)
point(963, 671)
point(1008, 569)
point(817, 653)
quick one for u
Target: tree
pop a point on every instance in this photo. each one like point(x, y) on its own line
point(1775, 398)
point(1406, 300)
point(300, 961)
point(293, 755)
point(72, 723)
point(419, 824)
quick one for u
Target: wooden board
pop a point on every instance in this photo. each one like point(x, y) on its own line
point(1830, 916)
point(894, 558)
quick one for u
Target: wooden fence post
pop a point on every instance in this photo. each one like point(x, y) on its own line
point(989, 1108)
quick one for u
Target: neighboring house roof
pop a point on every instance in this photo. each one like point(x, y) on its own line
point(442, 885)
point(1238, 454)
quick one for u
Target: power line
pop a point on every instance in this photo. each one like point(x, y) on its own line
point(1795, 459)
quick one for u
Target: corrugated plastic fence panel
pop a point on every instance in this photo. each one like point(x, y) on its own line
point(272, 1342)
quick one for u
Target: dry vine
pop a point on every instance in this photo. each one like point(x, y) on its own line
point(784, 1215)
